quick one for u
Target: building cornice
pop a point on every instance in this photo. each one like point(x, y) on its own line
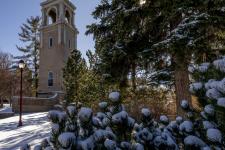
point(60, 23)
point(48, 3)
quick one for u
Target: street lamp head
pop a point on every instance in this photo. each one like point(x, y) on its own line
point(21, 64)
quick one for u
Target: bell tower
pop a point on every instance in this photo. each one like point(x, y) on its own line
point(58, 36)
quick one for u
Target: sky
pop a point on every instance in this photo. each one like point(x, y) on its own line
point(13, 13)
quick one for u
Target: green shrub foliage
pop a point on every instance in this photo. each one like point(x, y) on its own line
point(112, 128)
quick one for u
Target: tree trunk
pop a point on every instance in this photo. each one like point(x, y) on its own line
point(181, 85)
point(133, 76)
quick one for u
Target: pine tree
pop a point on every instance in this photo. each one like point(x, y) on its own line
point(171, 31)
point(72, 73)
point(188, 30)
point(30, 37)
point(119, 38)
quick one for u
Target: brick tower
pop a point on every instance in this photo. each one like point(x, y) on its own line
point(58, 36)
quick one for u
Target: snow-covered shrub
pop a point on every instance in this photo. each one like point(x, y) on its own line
point(85, 121)
point(209, 110)
point(111, 129)
point(114, 96)
point(71, 111)
point(184, 104)
point(220, 64)
point(208, 125)
point(179, 119)
point(110, 144)
point(214, 135)
point(67, 140)
point(211, 94)
point(221, 102)
point(194, 142)
point(146, 117)
point(164, 119)
point(186, 127)
point(195, 87)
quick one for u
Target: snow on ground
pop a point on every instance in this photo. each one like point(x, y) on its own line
point(36, 127)
point(6, 109)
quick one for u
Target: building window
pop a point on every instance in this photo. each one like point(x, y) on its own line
point(50, 79)
point(50, 43)
point(52, 16)
point(69, 44)
point(67, 17)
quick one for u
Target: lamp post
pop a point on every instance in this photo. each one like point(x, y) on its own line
point(21, 67)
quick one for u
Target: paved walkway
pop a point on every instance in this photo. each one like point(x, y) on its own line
point(36, 127)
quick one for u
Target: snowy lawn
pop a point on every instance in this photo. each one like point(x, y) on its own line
point(6, 109)
point(36, 127)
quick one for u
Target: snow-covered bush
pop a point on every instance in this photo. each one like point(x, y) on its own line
point(209, 87)
point(114, 129)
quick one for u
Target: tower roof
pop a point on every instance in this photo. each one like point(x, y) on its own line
point(45, 3)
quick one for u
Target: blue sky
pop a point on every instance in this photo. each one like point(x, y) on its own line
point(15, 12)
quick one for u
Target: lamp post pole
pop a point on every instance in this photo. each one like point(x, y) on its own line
point(21, 93)
point(21, 66)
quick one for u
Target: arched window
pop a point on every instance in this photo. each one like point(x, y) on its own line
point(50, 42)
point(67, 16)
point(52, 16)
point(50, 79)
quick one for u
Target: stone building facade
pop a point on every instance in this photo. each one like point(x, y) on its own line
point(58, 37)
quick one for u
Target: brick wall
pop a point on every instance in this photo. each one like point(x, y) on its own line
point(33, 104)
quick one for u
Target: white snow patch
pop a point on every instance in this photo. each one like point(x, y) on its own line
point(195, 87)
point(87, 144)
point(221, 86)
point(220, 64)
point(6, 109)
point(209, 110)
point(212, 83)
point(203, 67)
point(138, 146)
point(146, 112)
point(208, 125)
point(71, 110)
point(164, 119)
point(119, 117)
point(223, 9)
point(214, 135)
point(103, 105)
point(66, 139)
point(186, 126)
point(179, 119)
point(110, 144)
point(221, 102)
point(184, 104)
point(36, 127)
point(191, 69)
point(85, 114)
point(114, 96)
point(55, 128)
point(194, 141)
point(213, 93)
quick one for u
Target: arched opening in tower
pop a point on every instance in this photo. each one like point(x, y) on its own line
point(67, 16)
point(52, 16)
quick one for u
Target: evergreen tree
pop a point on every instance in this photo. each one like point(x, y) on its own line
point(166, 35)
point(30, 37)
point(72, 73)
point(188, 29)
point(119, 38)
